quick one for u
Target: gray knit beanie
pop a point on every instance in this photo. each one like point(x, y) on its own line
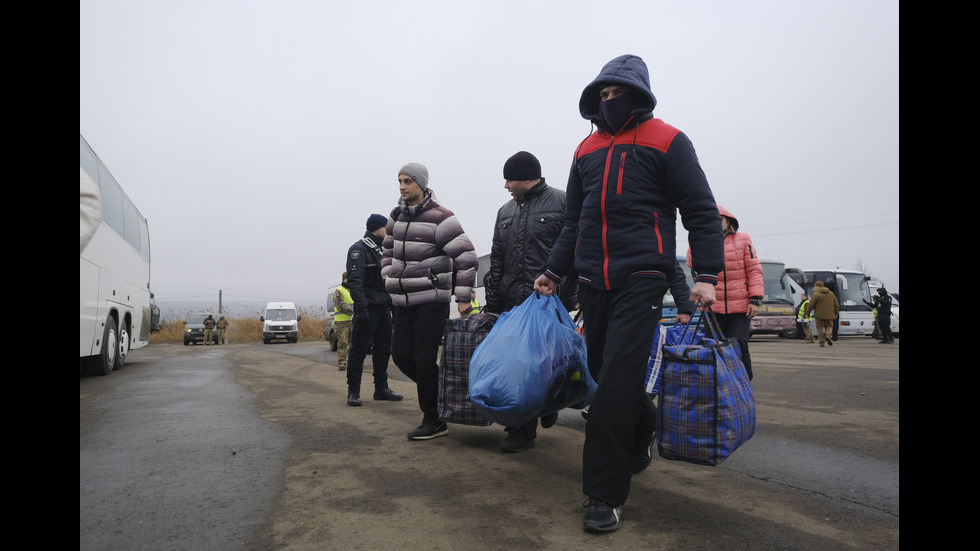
point(417, 172)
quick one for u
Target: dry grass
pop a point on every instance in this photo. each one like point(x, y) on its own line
point(244, 327)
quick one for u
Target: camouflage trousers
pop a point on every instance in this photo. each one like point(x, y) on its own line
point(223, 336)
point(807, 331)
point(208, 335)
point(345, 332)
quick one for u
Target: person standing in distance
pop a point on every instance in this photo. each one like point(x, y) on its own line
point(222, 327)
point(884, 320)
point(426, 251)
point(627, 182)
point(209, 325)
point(825, 307)
point(740, 288)
point(523, 234)
point(372, 313)
point(343, 309)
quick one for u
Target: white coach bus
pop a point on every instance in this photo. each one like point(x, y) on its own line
point(114, 277)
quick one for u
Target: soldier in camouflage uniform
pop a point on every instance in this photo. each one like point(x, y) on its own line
point(209, 329)
point(343, 307)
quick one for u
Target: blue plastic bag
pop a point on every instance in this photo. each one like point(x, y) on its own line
point(532, 363)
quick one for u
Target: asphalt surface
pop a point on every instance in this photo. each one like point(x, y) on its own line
point(252, 446)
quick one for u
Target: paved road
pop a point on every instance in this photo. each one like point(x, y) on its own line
point(213, 448)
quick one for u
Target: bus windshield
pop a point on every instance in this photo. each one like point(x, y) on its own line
point(774, 282)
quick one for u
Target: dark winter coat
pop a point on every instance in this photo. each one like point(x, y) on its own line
point(523, 235)
point(624, 192)
point(364, 280)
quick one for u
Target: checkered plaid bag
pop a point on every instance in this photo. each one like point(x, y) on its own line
point(706, 407)
point(460, 339)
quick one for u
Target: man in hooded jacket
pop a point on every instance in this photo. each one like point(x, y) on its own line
point(627, 182)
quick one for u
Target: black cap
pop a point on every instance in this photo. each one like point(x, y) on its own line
point(522, 166)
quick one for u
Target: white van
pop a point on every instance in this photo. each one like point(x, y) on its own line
point(280, 322)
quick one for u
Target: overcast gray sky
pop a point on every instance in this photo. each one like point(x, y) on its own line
point(257, 136)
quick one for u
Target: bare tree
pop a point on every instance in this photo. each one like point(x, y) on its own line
point(863, 268)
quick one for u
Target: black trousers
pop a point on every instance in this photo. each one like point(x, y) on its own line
point(415, 350)
point(378, 330)
point(619, 328)
point(736, 327)
point(885, 325)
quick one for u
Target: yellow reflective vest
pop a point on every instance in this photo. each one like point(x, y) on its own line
point(800, 314)
point(476, 306)
point(345, 294)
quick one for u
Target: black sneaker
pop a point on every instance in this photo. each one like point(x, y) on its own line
point(585, 414)
point(600, 516)
point(353, 399)
point(547, 421)
point(518, 440)
point(830, 342)
point(428, 432)
point(387, 394)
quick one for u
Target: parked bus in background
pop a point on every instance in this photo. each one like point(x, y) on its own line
point(114, 277)
point(852, 289)
point(777, 313)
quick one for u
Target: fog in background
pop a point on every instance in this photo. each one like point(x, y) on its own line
point(257, 136)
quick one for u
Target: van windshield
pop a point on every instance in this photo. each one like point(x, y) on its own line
point(285, 314)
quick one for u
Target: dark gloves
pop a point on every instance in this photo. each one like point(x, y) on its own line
point(361, 320)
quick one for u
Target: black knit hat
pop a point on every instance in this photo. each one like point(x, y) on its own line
point(376, 221)
point(522, 166)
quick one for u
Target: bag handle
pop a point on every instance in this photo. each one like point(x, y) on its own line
point(553, 303)
point(712, 324)
point(710, 321)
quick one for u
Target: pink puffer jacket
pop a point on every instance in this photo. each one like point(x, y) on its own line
point(742, 276)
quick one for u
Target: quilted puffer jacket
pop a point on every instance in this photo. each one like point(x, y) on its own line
point(742, 277)
point(524, 233)
point(425, 253)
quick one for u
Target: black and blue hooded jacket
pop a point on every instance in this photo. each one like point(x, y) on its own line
point(625, 190)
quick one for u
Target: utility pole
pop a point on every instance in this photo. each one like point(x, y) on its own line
point(219, 302)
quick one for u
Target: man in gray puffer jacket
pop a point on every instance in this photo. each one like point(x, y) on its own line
point(523, 234)
point(425, 254)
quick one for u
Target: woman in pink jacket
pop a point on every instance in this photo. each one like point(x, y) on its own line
point(739, 291)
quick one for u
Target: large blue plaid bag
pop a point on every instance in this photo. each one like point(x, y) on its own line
point(459, 340)
point(531, 364)
point(706, 408)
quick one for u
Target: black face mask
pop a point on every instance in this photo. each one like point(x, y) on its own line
point(615, 113)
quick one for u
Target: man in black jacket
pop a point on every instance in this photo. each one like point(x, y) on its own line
point(523, 234)
point(628, 181)
point(884, 320)
point(372, 313)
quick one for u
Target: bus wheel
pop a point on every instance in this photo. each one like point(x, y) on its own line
point(123, 348)
point(105, 362)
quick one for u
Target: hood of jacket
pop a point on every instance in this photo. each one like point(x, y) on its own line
point(626, 70)
point(732, 221)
